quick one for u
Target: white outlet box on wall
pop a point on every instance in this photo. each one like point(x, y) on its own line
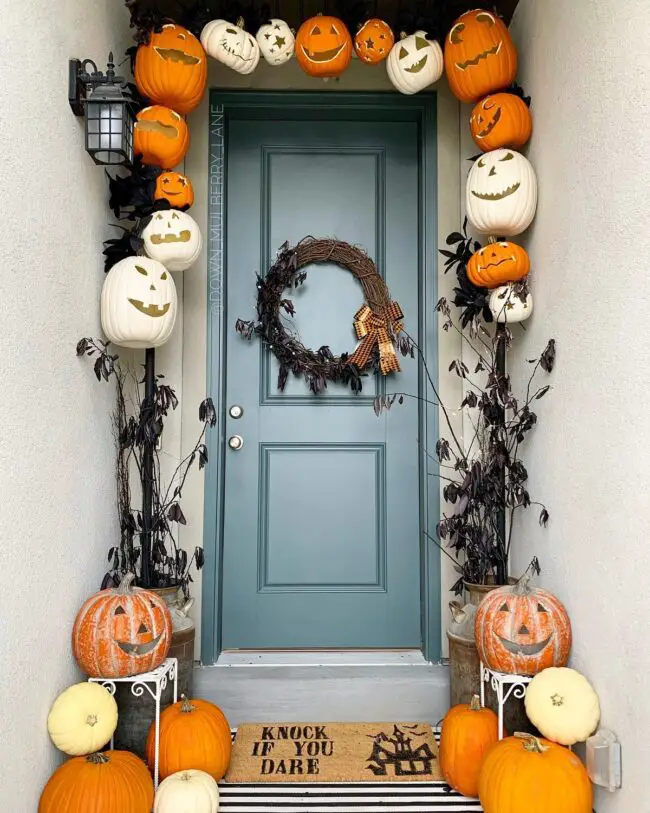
point(604, 759)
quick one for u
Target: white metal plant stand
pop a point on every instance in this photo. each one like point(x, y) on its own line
point(154, 682)
point(504, 686)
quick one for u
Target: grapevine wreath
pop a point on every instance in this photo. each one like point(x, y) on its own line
point(377, 323)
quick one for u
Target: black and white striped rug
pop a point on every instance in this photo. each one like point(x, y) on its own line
point(365, 797)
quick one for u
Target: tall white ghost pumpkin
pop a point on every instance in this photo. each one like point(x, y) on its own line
point(173, 238)
point(231, 45)
point(414, 63)
point(501, 195)
point(138, 303)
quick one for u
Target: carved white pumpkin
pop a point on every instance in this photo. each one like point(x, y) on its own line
point(173, 238)
point(414, 63)
point(563, 705)
point(501, 195)
point(231, 45)
point(138, 303)
point(82, 719)
point(507, 305)
point(276, 41)
point(188, 791)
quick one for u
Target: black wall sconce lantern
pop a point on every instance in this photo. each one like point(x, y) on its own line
point(109, 109)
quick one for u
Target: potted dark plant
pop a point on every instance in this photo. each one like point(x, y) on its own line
point(148, 543)
point(485, 479)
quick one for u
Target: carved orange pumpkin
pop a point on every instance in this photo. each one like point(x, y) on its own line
point(468, 732)
point(323, 46)
point(497, 263)
point(122, 632)
point(373, 41)
point(160, 136)
point(172, 69)
point(522, 630)
point(110, 782)
point(535, 775)
point(501, 120)
point(194, 734)
point(480, 56)
point(175, 188)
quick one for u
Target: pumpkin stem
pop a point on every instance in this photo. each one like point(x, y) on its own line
point(492, 239)
point(126, 584)
point(532, 744)
point(522, 588)
point(186, 705)
point(97, 759)
point(403, 35)
point(240, 22)
point(475, 703)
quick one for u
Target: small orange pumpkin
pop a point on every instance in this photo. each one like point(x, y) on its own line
point(172, 69)
point(122, 632)
point(323, 46)
point(160, 136)
point(194, 734)
point(535, 775)
point(373, 41)
point(110, 782)
point(521, 630)
point(468, 732)
point(175, 188)
point(501, 120)
point(498, 263)
point(480, 56)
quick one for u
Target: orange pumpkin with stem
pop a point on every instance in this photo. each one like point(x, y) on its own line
point(480, 56)
point(122, 632)
point(522, 630)
point(527, 773)
point(175, 188)
point(110, 782)
point(373, 41)
point(501, 120)
point(193, 734)
point(160, 136)
point(323, 46)
point(172, 68)
point(498, 263)
point(468, 732)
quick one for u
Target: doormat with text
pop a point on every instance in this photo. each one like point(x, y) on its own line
point(334, 752)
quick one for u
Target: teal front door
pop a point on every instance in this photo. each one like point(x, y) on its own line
point(322, 504)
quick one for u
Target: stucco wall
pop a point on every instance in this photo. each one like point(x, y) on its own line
point(56, 449)
point(586, 65)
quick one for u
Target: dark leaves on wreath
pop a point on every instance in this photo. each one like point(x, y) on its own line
point(119, 248)
point(459, 367)
point(288, 307)
point(246, 329)
point(199, 558)
point(517, 90)
point(547, 359)
point(405, 345)
point(443, 450)
point(207, 412)
point(543, 518)
point(383, 403)
point(203, 456)
point(175, 514)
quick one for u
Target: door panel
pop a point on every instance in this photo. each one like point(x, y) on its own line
point(322, 503)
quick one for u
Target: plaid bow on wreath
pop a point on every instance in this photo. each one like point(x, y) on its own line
point(374, 329)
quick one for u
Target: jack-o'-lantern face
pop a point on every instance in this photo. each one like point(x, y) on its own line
point(173, 238)
point(497, 263)
point(160, 136)
point(501, 120)
point(276, 41)
point(501, 195)
point(480, 56)
point(373, 41)
point(414, 63)
point(323, 46)
point(171, 69)
point(231, 45)
point(521, 630)
point(174, 188)
point(122, 632)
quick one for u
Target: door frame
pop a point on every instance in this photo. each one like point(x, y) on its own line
point(378, 105)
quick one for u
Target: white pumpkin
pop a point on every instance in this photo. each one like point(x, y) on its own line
point(501, 195)
point(276, 41)
point(231, 45)
point(83, 719)
point(414, 63)
point(187, 792)
point(508, 306)
point(173, 238)
point(138, 303)
point(563, 705)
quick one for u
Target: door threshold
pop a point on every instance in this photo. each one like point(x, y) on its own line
point(321, 657)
